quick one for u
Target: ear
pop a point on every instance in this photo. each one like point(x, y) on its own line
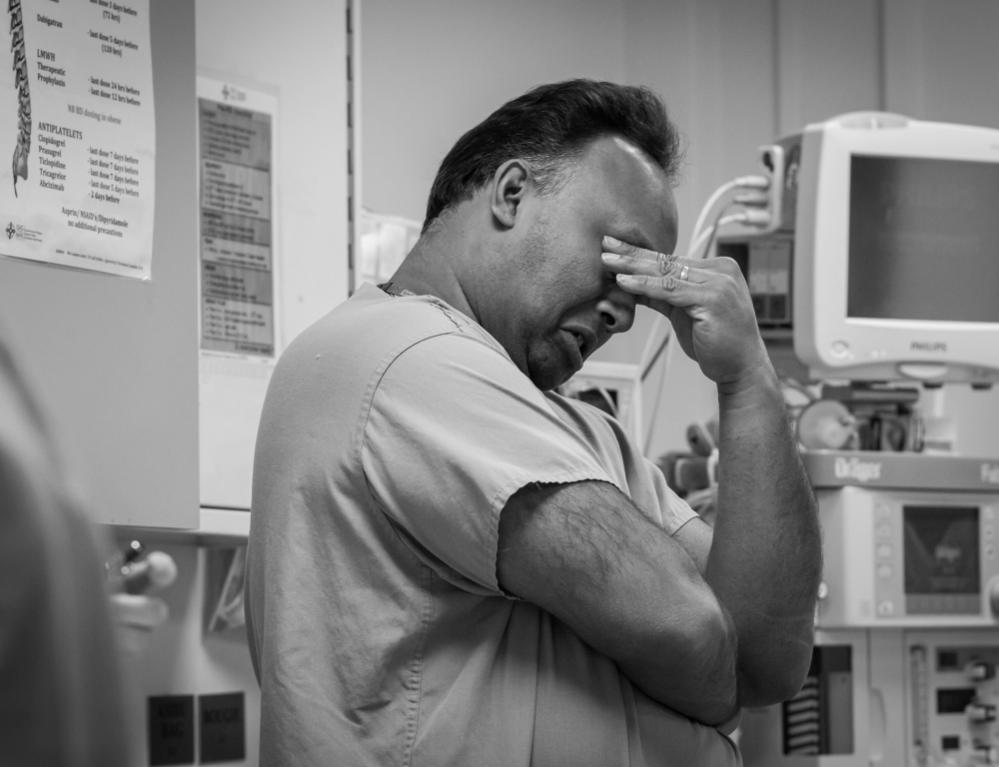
point(509, 187)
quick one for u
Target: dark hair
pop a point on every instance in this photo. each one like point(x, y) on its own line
point(548, 126)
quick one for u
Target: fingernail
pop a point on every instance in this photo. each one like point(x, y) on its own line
point(610, 258)
point(611, 242)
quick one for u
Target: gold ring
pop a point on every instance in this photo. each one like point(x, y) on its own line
point(684, 272)
point(664, 263)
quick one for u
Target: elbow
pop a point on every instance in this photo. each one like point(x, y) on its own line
point(777, 680)
point(777, 689)
point(713, 637)
point(694, 671)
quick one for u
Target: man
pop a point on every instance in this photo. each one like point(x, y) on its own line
point(451, 564)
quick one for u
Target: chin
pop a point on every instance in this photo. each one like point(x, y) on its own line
point(549, 368)
point(548, 379)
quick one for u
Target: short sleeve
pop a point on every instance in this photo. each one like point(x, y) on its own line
point(638, 477)
point(453, 430)
point(673, 511)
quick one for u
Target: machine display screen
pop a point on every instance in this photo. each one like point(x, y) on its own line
point(923, 239)
point(942, 555)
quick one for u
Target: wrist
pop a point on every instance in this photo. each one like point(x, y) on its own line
point(756, 384)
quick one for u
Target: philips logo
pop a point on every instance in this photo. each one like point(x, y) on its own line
point(990, 473)
point(854, 468)
point(928, 346)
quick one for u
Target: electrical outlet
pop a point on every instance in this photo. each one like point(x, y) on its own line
point(223, 735)
point(171, 729)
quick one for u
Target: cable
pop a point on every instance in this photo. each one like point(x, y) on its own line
point(653, 349)
point(699, 249)
point(740, 182)
point(666, 349)
point(713, 200)
point(749, 218)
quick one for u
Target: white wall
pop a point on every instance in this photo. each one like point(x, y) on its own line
point(432, 69)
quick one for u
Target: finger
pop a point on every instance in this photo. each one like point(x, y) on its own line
point(670, 288)
point(654, 264)
point(622, 257)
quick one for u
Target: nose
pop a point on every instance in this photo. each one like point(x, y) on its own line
point(617, 310)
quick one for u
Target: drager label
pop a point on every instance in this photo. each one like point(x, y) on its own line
point(854, 468)
point(990, 473)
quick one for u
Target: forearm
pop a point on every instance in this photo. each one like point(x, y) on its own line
point(629, 590)
point(765, 559)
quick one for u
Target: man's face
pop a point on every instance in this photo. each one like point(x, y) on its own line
point(565, 304)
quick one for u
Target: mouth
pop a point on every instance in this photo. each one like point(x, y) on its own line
point(582, 342)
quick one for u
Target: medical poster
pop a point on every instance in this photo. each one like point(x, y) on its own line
point(78, 124)
point(236, 146)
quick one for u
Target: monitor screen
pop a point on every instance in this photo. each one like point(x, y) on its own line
point(941, 550)
point(923, 239)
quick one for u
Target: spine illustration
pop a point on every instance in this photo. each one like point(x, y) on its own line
point(19, 164)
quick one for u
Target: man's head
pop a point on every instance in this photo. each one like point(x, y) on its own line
point(549, 126)
point(520, 207)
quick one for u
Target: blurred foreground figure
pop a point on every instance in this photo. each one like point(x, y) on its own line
point(62, 693)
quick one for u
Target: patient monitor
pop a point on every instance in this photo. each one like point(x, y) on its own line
point(884, 263)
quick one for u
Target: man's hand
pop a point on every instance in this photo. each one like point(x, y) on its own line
point(706, 300)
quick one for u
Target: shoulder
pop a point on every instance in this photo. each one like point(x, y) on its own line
point(371, 331)
point(370, 317)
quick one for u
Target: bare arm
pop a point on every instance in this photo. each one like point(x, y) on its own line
point(764, 562)
point(766, 557)
point(583, 553)
point(788, 640)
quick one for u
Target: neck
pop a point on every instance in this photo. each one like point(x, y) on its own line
point(429, 269)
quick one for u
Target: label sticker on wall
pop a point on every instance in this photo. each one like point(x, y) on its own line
point(236, 141)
